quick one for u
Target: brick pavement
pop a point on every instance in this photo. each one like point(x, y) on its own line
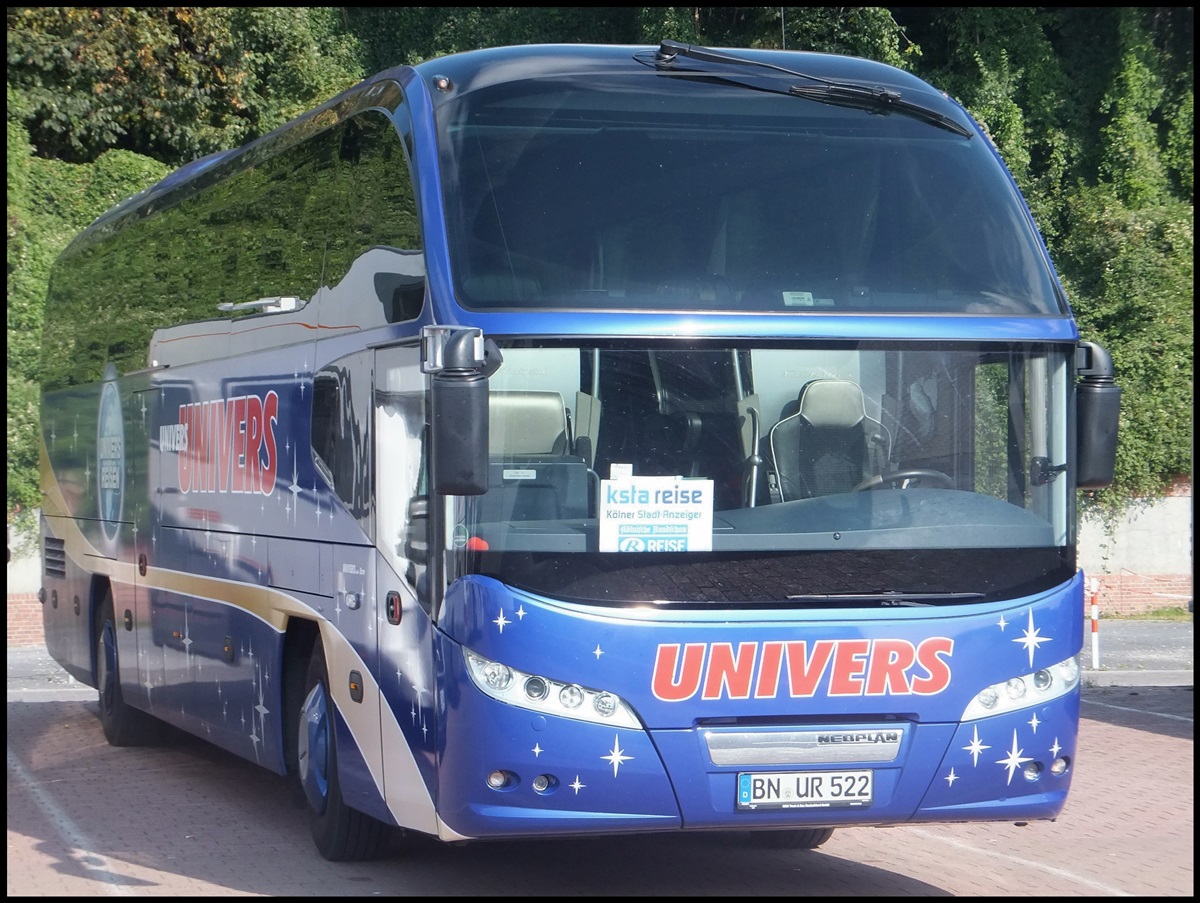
point(184, 818)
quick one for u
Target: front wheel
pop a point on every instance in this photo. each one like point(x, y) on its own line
point(796, 839)
point(342, 834)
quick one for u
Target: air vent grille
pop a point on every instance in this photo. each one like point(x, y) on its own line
point(54, 557)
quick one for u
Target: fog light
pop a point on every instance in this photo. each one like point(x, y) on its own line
point(571, 696)
point(1033, 771)
point(536, 688)
point(497, 780)
point(542, 783)
point(1015, 688)
point(1059, 766)
point(605, 704)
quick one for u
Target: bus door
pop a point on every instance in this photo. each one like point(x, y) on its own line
point(406, 669)
point(131, 602)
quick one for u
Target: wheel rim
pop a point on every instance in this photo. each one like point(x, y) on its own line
point(314, 749)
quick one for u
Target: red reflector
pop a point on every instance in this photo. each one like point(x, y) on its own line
point(475, 544)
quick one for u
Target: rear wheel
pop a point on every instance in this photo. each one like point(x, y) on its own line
point(123, 725)
point(342, 834)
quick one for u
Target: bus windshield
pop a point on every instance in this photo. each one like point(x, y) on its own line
point(648, 192)
point(758, 472)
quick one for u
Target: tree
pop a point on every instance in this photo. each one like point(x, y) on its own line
point(173, 83)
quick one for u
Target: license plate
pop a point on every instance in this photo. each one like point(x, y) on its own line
point(804, 789)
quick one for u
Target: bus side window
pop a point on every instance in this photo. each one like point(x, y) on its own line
point(326, 401)
point(341, 434)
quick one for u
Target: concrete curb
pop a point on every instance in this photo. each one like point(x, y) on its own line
point(1137, 678)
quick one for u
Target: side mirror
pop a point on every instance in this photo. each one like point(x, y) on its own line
point(459, 413)
point(1098, 412)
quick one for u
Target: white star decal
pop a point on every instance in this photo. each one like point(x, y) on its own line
point(521, 612)
point(975, 747)
point(616, 755)
point(951, 778)
point(577, 785)
point(1002, 623)
point(1034, 722)
point(419, 689)
point(1055, 749)
point(294, 489)
point(1030, 639)
point(262, 710)
point(501, 621)
point(537, 750)
point(1014, 759)
point(597, 652)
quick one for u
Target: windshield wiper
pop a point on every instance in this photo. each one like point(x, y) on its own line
point(873, 98)
point(878, 99)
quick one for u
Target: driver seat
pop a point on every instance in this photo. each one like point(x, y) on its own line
point(821, 445)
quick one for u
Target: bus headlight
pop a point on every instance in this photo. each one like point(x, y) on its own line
point(497, 676)
point(1025, 691)
point(549, 697)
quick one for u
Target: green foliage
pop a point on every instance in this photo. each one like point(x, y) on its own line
point(48, 203)
point(22, 442)
point(393, 36)
point(1178, 613)
point(1135, 269)
point(1180, 152)
point(1091, 107)
point(1131, 161)
point(869, 31)
point(174, 83)
point(995, 107)
point(676, 23)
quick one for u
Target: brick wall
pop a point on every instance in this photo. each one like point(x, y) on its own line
point(1126, 593)
point(24, 620)
point(1145, 562)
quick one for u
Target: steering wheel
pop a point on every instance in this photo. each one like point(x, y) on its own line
point(903, 477)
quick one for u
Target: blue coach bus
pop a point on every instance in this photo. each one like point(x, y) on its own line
point(570, 440)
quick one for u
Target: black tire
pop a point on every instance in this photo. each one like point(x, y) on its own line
point(797, 839)
point(341, 834)
point(123, 725)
